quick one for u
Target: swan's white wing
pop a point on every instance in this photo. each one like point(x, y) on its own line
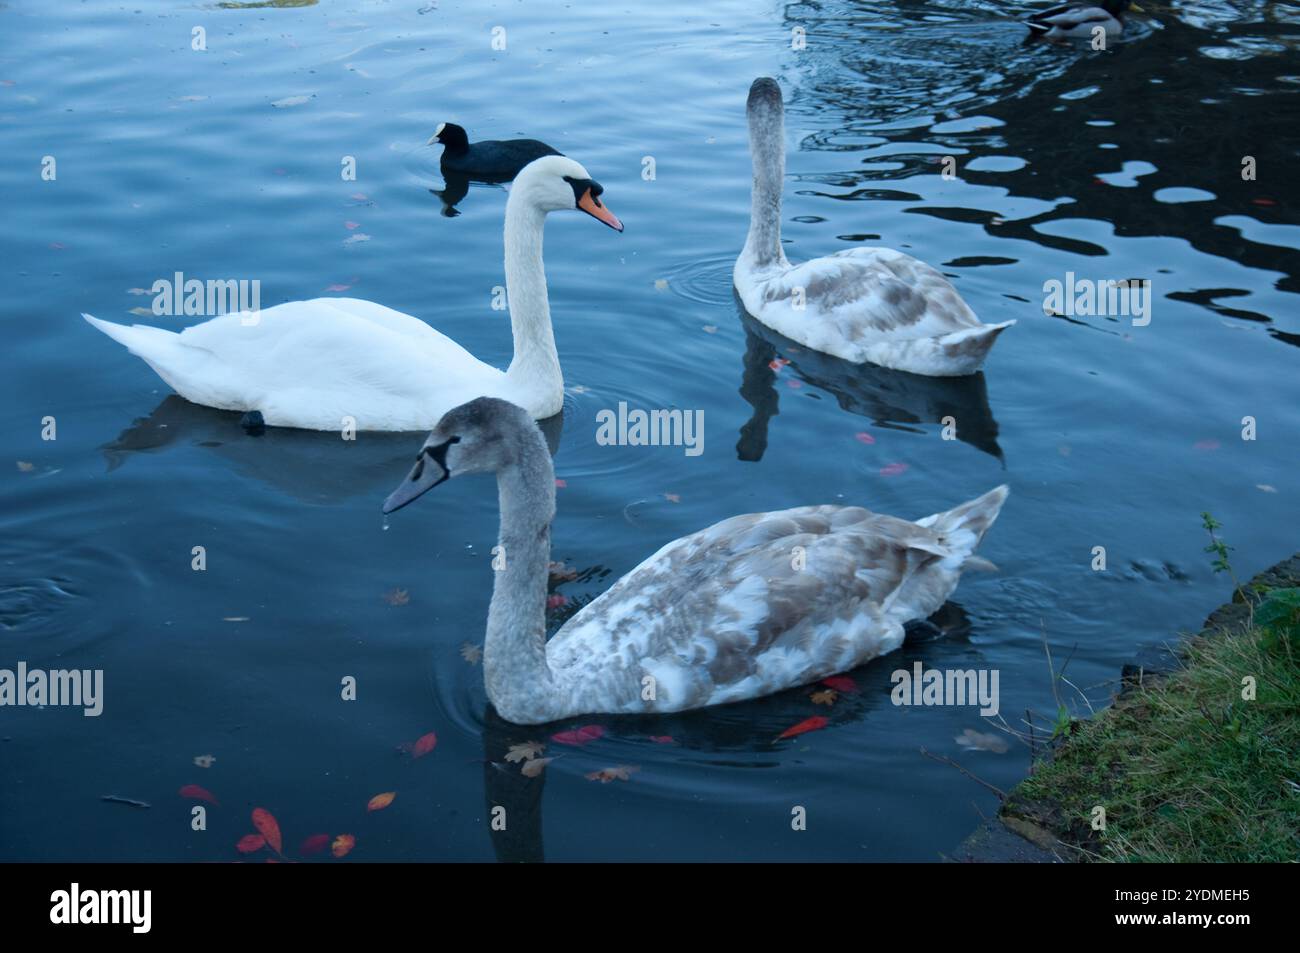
point(318, 364)
point(752, 605)
point(845, 303)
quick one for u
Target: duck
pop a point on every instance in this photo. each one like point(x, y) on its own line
point(492, 160)
point(864, 305)
point(749, 606)
point(1079, 21)
point(340, 363)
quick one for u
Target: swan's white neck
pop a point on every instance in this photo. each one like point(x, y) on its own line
point(767, 148)
point(519, 681)
point(536, 365)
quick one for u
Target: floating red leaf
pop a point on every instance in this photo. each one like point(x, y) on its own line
point(267, 826)
point(893, 469)
point(199, 794)
point(314, 844)
point(579, 736)
point(863, 437)
point(560, 484)
point(423, 745)
point(805, 726)
point(250, 842)
point(663, 739)
point(841, 683)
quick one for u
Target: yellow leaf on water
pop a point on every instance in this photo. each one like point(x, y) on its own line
point(525, 752)
point(826, 696)
point(342, 845)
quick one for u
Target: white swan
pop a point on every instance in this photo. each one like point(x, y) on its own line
point(861, 304)
point(747, 607)
point(323, 363)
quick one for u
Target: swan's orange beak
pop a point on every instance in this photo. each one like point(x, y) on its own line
point(591, 205)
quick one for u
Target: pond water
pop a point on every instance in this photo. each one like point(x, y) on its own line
point(225, 163)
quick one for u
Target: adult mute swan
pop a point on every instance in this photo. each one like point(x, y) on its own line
point(750, 606)
point(330, 362)
point(872, 305)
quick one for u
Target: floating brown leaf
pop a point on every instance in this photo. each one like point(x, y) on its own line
point(619, 772)
point(314, 844)
point(343, 845)
point(199, 794)
point(973, 740)
point(397, 597)
point(471, 653)
point(381, 801)
point(266, 825)
point(423, 745)
point(826, 696)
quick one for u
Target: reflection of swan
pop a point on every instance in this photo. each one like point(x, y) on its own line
point(745, 735)
point(872, 305)
point(885, 396)
point(309, 465)
point(747, 607)
point(340, 363)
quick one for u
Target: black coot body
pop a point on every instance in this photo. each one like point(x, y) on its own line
point(492, 160)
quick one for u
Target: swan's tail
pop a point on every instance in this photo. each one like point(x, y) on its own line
point(154, 346)
point(964, 526)
point(955, 354)
point(964, 351)
point(139, 339)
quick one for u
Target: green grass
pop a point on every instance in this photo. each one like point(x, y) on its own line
point(1186, 770)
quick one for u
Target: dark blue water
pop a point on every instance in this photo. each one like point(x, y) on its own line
point(170, 159)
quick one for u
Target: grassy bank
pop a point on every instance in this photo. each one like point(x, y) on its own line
point(1186, 768)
